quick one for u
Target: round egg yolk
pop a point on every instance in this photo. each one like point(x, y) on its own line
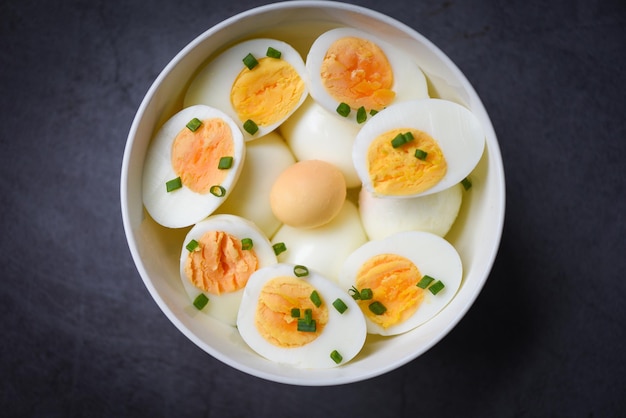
point(356, 71)
point(274, 319)
point(220, 264)
point(397, 171)
point(393, 281)
point(268, 92)
point(196, 154)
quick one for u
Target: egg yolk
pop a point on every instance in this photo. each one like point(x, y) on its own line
point(268, 92)
point(356, 71)
point(274, 319)
point(196, 154)
point(397, 171)
point(219, 264)
point(393, 281)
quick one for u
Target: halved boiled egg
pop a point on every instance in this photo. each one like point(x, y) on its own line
point(417, 148)
point(350, 69)
point(259, 83)
point(292, 315)
point(191, 166)
point(218, 257)
point(402, 281)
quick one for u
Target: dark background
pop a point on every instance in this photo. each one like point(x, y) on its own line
point(82, 337)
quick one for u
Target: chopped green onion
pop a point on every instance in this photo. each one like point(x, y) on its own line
point(425, 281)
point(250, 62)
point(308, 315)
point(467, 184)
point(194, 124)
point(336, 356)
point(378, 308)
point(225, 163)
point(340, 305)
point(436, 287)
point(192, 245)
point(315, 298)
point(361, 115)
point(408, 137)
point(279, 247)
point(295, 312)
point(218, 191)
point(273, 53)
point(306, 326)
point(420, 154)
point(173, 184)
point(250, 127)
point(200, 301)
point(246, 244)
point(354, 292)
point(300, 271)
point(373, 112)
point(401, 139)
point(366, 294)
point(343, 109)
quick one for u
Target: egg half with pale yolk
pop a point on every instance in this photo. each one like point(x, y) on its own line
point(259, 83)
point(417, 147)
point(292, 315)
point(191, 166)
point(403, 280)
point(359, 70)
point(218, 257)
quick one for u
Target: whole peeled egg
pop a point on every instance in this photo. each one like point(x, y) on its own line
point(191, 166)
point(358, 70)
point(258, 82)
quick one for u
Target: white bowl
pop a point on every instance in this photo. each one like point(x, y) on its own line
point(155, 250)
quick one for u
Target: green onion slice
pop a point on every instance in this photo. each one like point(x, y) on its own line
point(343, 109)
point(250, 126)
point(377, 308)
point(273, 53)
point(425, 281)
point(361, 114)
point(401, 139)
point(225, 163)
point(354, 292)
point(373, 112)
point(436, 287)
point(300, 271)
point(315, 298)
point(340, 305)
point(247, 244)
point(337, 358)
point(467, 184)
point(192, 245)
point(173, 184)
point(218, 191)
point(308, 315)
point(194, 124)
point(200, 301)
point(420, 154)
point(295, 312)
point(250, 62)
point(366, 294)
point(279, 247)
point(306, 326)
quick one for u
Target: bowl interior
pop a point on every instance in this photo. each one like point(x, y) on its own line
point(155, 249)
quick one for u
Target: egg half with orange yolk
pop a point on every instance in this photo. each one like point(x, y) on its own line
point(218, 256)
point(259, 83)
point(350, 66)
point(292, 315)
point(402, 281)
point(417, 148)
point(191, 166)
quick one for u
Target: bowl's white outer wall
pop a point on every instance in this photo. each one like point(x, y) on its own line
point(477, 242)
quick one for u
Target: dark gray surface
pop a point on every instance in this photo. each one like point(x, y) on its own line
point(82, 337)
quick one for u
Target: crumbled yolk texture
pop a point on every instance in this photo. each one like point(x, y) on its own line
point(196, 154)
point(273, 315)
point(268, 92)
point(356, 71)
point(397, 172)
point(219, 264)
point(393, 281)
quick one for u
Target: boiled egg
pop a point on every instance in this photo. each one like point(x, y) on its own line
point(191, 166)
point(266, 159)
point(259, 83)
point(313, 133)
point(417, 148)
point(218, 256)
point(292, 315)
point(434, 213)
point(324, 248)
point(357, 70)
point(402, 281)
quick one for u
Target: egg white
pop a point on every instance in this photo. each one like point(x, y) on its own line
point(213, 84)
point(409, 82)
point(184, 207)
point(456, 130)
point(224, 306)
point(431, 254)
point(344, 332)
